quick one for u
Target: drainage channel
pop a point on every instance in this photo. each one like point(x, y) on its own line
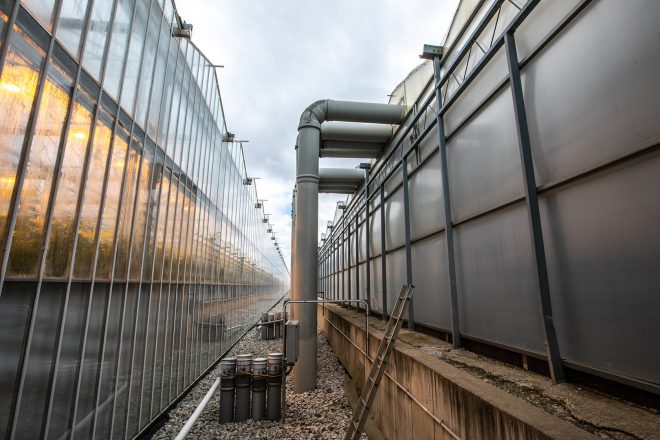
point(323, 413)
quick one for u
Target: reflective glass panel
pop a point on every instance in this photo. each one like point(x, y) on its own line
point(92, 199)
point(35, 194)
point(42, 10)
point(68, 190)
point(134, 56)
point(162, 90)
point(147, 70)
point(128, 203)
point(111, 206)
point(142, 212)
point(71, 24)
point(117, 50)
point(95, 41)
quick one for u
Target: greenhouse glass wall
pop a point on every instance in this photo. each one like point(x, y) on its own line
point(134, 250)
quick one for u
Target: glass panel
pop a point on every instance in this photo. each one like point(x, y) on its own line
point(156, 107)
point(35, 193)
point(141, 213)
point(154, 214)
point(42, 10)
point(170, 112)
point(93, 192)
point(147, 71)
point(39, 364)
point(166, 212)
point(69, 362)
point(71, 24)
point(111, 207)
point(95, 42)
point(118, 43)
point(64, 211)
point(134, 56)
point(130, 189)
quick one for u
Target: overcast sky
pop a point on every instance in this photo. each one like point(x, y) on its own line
point(282, 55)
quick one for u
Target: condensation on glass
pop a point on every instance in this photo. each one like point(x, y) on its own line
point(115, 192)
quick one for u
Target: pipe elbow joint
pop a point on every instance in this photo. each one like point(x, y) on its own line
point(314, 115)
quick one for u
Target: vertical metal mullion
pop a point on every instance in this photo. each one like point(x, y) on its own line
point(81, 197)
point(449, 228)
point(533, 211)
point(97, 238)
point(177, 214)
point(197, 225)
point(348, 222)
point(357, 254)
point(10, 29)
point(146, 238)
point(383, 251)
point(200, 264)
point(25, 352)
point(367, 238)
point(406, 224)
point(130, 249)
point(167, 213)
point(192, 215)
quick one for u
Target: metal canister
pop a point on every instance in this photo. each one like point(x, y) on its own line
point(259, 383)
point(243, 379)
point(227, 375)
point(274, 411)
point(264, 326)
point(278, 325)
point(271, 329)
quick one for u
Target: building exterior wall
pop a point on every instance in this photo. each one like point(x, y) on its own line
point(592, 104)
point(133, 252)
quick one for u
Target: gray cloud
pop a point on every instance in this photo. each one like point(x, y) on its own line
point(282, 55)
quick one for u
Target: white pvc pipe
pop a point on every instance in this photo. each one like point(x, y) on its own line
point(193, 418)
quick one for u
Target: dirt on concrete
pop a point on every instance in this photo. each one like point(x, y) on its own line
point(604, 416)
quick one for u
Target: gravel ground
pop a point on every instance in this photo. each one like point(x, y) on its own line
point(320, 414)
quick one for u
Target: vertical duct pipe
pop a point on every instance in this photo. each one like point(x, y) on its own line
point(227, 375)
point(243, 379)
point(305, 224)
point(259, 384)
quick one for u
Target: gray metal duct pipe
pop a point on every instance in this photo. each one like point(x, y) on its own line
point(357, 132)
point(366, 150)
point(305, 228)
point(339, 180)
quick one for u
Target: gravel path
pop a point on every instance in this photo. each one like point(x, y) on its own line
point(320, 414)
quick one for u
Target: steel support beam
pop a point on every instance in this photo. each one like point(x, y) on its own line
point(449, 229)
point(406, 226)
point(531, 197)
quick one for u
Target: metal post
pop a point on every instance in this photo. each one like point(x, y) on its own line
point(449, 228)
point(531, 197)
point(367, 237)
point(406, 225)
point(383, 262)
point(357, 254)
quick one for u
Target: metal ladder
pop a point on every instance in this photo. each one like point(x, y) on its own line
point(356, 425)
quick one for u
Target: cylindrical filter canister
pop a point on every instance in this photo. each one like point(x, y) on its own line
point(259, 383)
point(264, 326)
point(278, 325)
point(227, 375)
point(243, 379)
point(275, 361)
point(271, 330)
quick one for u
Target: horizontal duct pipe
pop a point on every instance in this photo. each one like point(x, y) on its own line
point(357, 132)
point(336, 148)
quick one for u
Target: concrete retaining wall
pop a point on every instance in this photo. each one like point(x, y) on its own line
point(469, 407)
